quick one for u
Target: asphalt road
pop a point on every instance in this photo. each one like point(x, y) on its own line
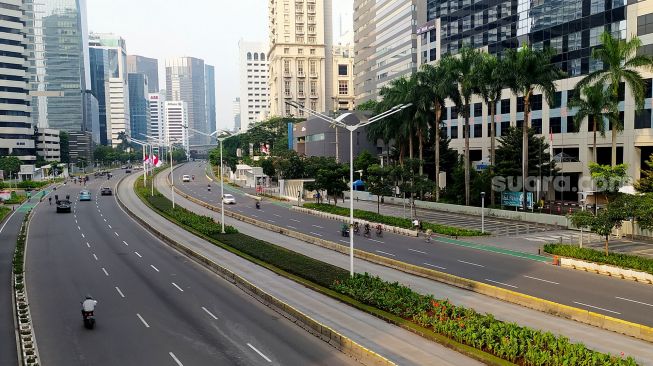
point(155, 306)
point(617, 298)
point(8, 234)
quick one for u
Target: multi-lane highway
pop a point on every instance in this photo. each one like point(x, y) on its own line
point(155, 306)
point(613, 297)
point(9, 230)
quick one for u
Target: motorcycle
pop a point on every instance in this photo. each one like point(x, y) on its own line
point(344, 230)
point(89, 319)
point(258, 205)
point(379, 231)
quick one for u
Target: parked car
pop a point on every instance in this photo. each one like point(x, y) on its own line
point(63, 206)
point(229, 199)
point(106, 191)
point(185, 178)
point(84, 196)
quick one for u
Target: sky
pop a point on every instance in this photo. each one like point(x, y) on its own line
point(207, 29)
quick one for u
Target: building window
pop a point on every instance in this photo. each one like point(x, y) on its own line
point(249, 56)
point(647, 88)
point(520, 104)
point(286, 67)
point(556, 44)
point(536, 125)
point(286, 87)
point(312, 52)
point(300, 88)
point(286, 51)
point(596, 65)
point(300, 51)
point(645, 24)
point(313, 105)
point(300, 67)
point(571, 125)
point(454, 132)
point(453, 112)
point(342, 70)
point(478, 109)
point(621, 91)
point(313, 87)
point(595, 35)
point(574, 41)
point(643, 119)
point(574, 68)
point(504, 106)
point(299, 39)
point(557, 100)
point(555, 125)
point(536, 102)
point(255, 56)
point(478, 130)
point(343, 87)
point(311, 40)
point(597, 6)
point(313, 67)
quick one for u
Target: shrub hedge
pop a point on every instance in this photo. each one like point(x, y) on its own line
point(509, 341)
point(4, 211)
point(598, 256)
point(15, 199)
point(391, 220)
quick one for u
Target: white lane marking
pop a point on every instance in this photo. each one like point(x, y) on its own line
point(101, 215)
point(75, 216)
point(175, 359)
point(79, 228)
point(177, 286)
point(271, 221)
point(125, 242)
point(500, 283)
point(110, 227)
point(139, 256)
point(154, 268)
point(470, 263)
point(294, 220)
point(143, 320)
point(292, 227)
point(76, 221)
point(377, 241)
point(259, 353)
point(596, 307)
point(635, 301)
point(105, 271)
point(317, 226)
point(417, 251)
point(95, 256)
point(316, 234)
point(386, 253)
point(539, 279)
point(88, 245)
point(120, 292)
point(116, 233)
point(105, 220)
point(344, 241)
point(254, 216)
point(276, 215)
point(434, 266)
point(532, 239)
point(210, 313)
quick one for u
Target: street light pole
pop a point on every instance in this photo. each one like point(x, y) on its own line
point(483, 212)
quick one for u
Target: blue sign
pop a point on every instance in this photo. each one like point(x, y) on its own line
point(516, 199)
point(290, 136)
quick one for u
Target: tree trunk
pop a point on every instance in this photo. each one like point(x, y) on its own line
point(594, 152)
point(420, 137)
point(378, 205)
point(410, 142)
point(606, 245)
point(492, 144)
point(614, 145)
point(525, 148)
point(466, 132)
point(438, 112)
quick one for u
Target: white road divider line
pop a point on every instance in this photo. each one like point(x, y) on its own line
point(76, 221)
point(386, 253)
point(635, 301)
point(88, 245)
point(210, 313)
point(95, 256)
point(291, 227)
point(434, 266)
point(120, 292)
point(174, 358)
point(105, 271)
point(110, 227)
point(317, 226)
point(500, 283)
point(596, 307)
point(316, 234)
point(116, 233)
point(294, 220)
point(177, 286)
point(105, 220)
point(344, 241)
point(539, 279)
point(79, 228)
point(471, 264)
point(271, 221)
point(416, 251)
point(139, 256)
point(377, 241)
point(154, 268)
point(276, 215)
point(259, 353)
point(125, 243)
point(142, 320)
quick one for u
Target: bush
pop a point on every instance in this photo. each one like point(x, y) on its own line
point(391, 220)
point(598, 256)
point(4, 211)
point(509, 341)
point(15, 199)
point(28, 184)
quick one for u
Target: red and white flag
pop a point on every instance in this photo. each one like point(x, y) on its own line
point(152, 160)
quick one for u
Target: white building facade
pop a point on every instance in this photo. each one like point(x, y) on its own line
point(157, 115)
point(48, 144)
point(343, 77)
point(254, 88)
point(176, 116)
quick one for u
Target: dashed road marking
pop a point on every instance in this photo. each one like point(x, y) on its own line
point(635, 301)
point(434, 266)
point(210, 313)
point(95, 256)
point(596, 307)
point(539, 279)
point(154, 268)
point(177, 286)
point(142, 320)
point(174, 358)
point(470, 263)
point(416, 251)
point(259, 353)
point(120, 292)
point(105, 271)
point(500, 283)
point(386, 253)
point(138, 254)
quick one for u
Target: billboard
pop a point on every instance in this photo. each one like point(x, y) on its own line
point(516, 199)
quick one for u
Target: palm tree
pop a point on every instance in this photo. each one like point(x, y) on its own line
point(491, 77)
point(597, 103)
point(462, 71)
point(620, 63)
point(530, 71)
point(439, 87)
point(402, 91)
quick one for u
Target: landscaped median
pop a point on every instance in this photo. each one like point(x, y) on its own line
point(391, 220)
point(477, 335)
point(4, 212)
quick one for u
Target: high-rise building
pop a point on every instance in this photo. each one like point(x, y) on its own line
point(157, 115)
point(139, 106)
point(209, 85)
point(145, 65)
point(48, 144)
point(176, 115)
point(300, 56)
point(385, 44)
point(117, 99)
point(16, 133)
point(236, 113)
point(100, 87)
point(59, 69)
point(343, 77)
point(254, 88)
point(185, 82)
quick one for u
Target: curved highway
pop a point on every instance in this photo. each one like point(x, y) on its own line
point(617, 298)
point(155, 306)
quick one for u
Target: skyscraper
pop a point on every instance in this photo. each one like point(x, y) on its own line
point(176, 114)
point(157, 115)
point(117, 100)
point(16, 133)
point(254, 89)
point(209, 84)
point(236, 114)
point(185, 82)
point(145, 65)
point(139, 106)
point(100, 76)
point(300, 56)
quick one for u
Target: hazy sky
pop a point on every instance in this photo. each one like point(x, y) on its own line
point(207, 29)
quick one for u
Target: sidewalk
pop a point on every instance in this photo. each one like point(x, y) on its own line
point(594, 338)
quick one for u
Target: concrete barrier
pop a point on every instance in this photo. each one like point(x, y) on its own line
point(325, 333)
point(608, 270)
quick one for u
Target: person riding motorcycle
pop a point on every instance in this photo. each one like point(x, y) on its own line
point(258, 204)
point(344, 229)
point(88, 305)
point(367, 228)
point(356, 228)
point(209, 187)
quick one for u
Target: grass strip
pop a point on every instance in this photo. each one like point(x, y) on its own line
point(627, 261)
point(4, 211)
point(479, 336)
point(393, 221)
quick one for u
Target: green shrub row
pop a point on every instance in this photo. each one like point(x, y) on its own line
point(19, 253)
point(598, 256)
point(15, 199)
point(4, 211)
point(509, 341)
point(391, 220)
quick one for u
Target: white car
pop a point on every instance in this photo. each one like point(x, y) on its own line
point(229, 199)
point(185, 178)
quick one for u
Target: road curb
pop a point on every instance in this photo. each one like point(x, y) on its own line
point(607, 270)
point(634, 330)
point(325, 333)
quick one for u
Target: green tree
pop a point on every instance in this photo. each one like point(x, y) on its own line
point(291, 166)
point(10, 164)
point(363, 161)
point(530, 71)
point(511, 145)
point(370, 105)
point(621, 63)
point(179, 153)
point(64, 147)
point(598, 102)
point(402, 124)
point(332, 181)
point(608, 179)
point(268, 168)
point(602, 223)
point(645, 183)
point(124, 141)
point(379, 183)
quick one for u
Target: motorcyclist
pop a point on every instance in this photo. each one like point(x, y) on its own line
point(367, 228)
point(50, 200)
point(258, 204)
point(88, 305)
point(193, 177)
point(209, 187)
